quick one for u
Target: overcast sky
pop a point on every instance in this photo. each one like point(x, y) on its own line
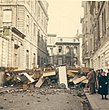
point(64, 17)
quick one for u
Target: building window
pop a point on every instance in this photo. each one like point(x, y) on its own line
point(7, 16)
point(39, 60)
point(38, 13)
point(91, 44)
point(104, 22)
point(28, 20)
point(75, 50)
point(87, 46)
point(99, 29)
point(68, 50)
point(45, 43)
point(15, 57)
point(42, 41)
point(61, 39)
point(38, 37)
point(98, 6)
point(42, 62)
point(34, 59)
point(60, 61)
point(74, 40)
point(27, 58)
point(42, 18)
point(51, 49)
point(60, 49)
point(44, 23)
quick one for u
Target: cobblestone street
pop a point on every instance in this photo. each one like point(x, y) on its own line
point(40, 100)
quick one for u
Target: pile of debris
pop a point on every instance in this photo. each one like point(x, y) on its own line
point(78, 76)
point(26, 78)
point(60, 77)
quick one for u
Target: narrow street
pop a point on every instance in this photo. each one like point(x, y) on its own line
point(42, 99)
point(54, 55)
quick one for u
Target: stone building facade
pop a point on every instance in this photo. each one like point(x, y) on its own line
point(51, 47)
point(63, 50)
point(95, 29)
point(23, 33)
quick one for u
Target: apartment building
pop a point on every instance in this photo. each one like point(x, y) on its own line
point(95, 29)
point(63, 50)
point(23, 33)
point(51, 47)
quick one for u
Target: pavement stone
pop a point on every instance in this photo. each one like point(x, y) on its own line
point(97, 103)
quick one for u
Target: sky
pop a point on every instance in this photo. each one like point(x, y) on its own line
point(64, 17)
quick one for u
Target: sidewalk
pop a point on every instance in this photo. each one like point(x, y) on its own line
point(97, 103)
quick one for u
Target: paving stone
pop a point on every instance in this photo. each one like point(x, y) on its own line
point(28, 103)
point(10, 101)
point(1, 107)
point(38, 101)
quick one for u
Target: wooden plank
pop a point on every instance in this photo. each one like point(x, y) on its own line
point(85, 81)
point(36, 75)
point(78, 80)
point(63, 76)
point(29, 77)
point(40, 82)
point(49, 73)
point(70, 74)
point(73, 71)
point(72, 79)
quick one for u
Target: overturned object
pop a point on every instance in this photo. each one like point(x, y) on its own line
point(40, 82)
point(72, 73)
point(85, 81)
point(29, 77)
point(63, 76)
point(49, 73)
point(78, 80)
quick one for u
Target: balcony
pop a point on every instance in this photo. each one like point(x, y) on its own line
point(17, 32)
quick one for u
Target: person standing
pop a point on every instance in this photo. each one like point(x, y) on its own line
point(91, 80)
point(103, 85)
point(98, 78)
